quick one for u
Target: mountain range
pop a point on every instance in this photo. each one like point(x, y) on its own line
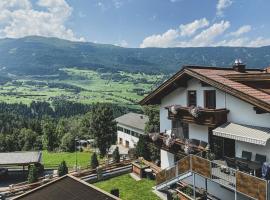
point(36, 55)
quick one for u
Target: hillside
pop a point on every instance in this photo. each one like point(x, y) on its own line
point(39, 55)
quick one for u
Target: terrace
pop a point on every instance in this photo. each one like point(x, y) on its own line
point(218, 171)
point(241, 174)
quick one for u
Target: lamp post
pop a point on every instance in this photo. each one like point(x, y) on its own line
point(76, 139)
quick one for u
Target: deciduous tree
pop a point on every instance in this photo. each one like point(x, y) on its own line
point(103, 127)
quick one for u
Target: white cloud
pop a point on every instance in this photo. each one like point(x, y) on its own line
point(215, 35)
point(173, 1)
point(104, 5)
point(176, 38)
point(166, 39)
point(238, 42)
point(245, 41)
point(19, 19)
point(207, 36)
point(117, 3)
point(241, 31)
point(221, 5)
point(122, 43)
point(259, 41)
point(191, 28)
point(15, 4)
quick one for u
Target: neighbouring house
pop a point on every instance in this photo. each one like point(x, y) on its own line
point(66, 188)
point(20, 158)
point(129, 128)
point(215, 131)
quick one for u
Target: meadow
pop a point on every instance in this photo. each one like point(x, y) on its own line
point(79, 85)
point(53, 159)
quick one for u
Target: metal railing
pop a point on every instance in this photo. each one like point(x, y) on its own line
point(218, 172)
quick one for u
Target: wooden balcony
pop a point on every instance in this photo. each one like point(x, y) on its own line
point(177, 147)
point(208, 117)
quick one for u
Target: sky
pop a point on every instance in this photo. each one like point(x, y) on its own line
point(141, 23)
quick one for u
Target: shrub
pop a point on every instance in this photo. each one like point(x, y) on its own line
point(40, 168)
point(32, 174)
point(94, 161)
point(62, 169)
point(116, 155)
point(115, 192)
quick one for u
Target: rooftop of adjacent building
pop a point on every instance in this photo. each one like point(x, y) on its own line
point(66, 188)
point(133, 120)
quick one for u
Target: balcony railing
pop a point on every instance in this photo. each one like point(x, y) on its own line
point(176, 143)
point(198, 115)
point(233, 179)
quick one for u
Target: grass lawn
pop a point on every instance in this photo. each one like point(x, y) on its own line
point(129, 188)
point(53, 159)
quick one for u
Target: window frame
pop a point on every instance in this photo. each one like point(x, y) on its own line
point(188, 98)
point(208, 101)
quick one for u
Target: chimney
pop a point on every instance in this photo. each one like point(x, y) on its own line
point(267, 69)
point(239, 66)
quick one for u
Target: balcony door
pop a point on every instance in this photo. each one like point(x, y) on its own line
point(221, 146)
point(210, 99)
point(192, 98)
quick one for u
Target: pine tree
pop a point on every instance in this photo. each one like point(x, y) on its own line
point(94, 161)
point(62, 169)
point(116, 155)
point(142, 149)
point(32, 174)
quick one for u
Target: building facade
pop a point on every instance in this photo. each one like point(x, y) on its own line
point(225, 109)
point(129, 128)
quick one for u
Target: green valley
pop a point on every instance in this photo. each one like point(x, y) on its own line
point(80, 85)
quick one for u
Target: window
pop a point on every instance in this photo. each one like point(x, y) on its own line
point(127, 144)
point(120, 141)
point(192, 98)
point(127, 131)
point(119, 128)
point(132, 133)
point(210, 99)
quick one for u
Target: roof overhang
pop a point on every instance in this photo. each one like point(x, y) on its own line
point(180, 78)
point(20, 158)
point(245, 133)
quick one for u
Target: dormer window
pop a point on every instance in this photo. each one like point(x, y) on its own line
point(210, 99)
point(192, 98)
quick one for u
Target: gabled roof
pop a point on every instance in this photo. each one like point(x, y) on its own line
point(133, 120)
point(20, 158)
point(218, 78)
point(66, 188)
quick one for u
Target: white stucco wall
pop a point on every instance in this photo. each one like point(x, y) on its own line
point(240, 112)
point(167, 159)
point(198, 132)
point(178, 96)
point(127, 137)
point(254, 148)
